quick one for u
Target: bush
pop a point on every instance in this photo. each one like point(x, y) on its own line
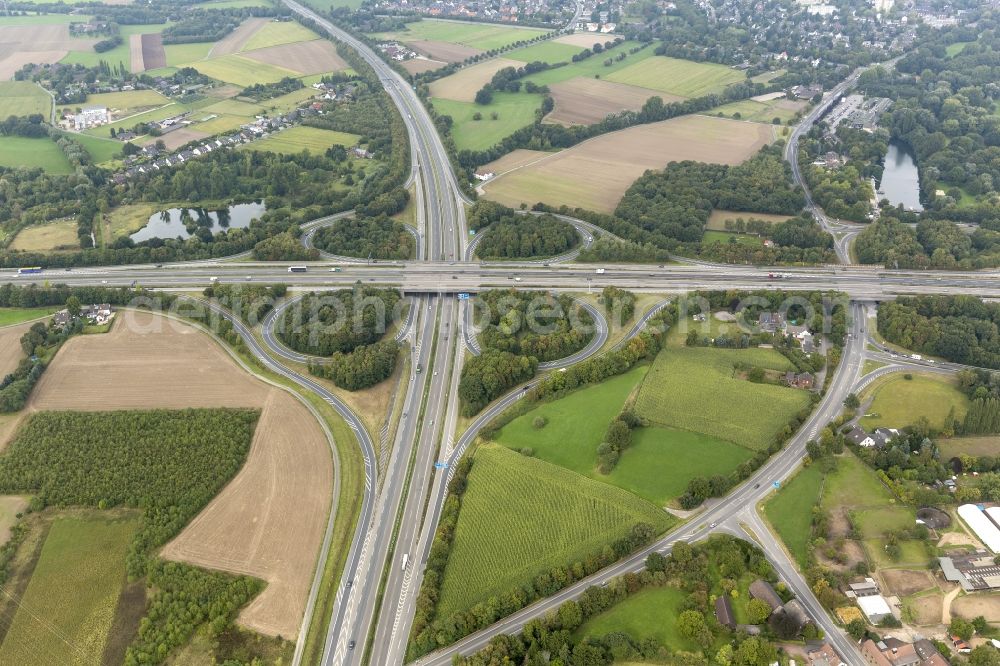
point(539, 422)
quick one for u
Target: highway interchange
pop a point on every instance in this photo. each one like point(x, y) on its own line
point(404, 495)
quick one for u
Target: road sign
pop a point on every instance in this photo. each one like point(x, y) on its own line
point(440, 465)
point(777, 484)
point(463, 296)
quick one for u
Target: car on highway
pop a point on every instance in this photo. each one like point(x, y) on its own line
point(714, 525)
point(350, 645)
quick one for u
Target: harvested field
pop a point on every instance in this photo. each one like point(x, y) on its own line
point(11, 63)
point(595, 174)
point(463, 85)
point(149, 361)
point(583, 39)
point(318, 56)
point(8, 426)
point(513, 160)
point(584, 101)
point(445, 51)
point(10, 347)
point(717, 220)
point(60, 234)
point(32, 38)
point(241, 70)
point(237, 39)
point(973, 605)
point(177, 138)
point(677, 76)
point(421, 65)
point(153, 55)
point(10, 506)
point(904, 582)
point(135, 54)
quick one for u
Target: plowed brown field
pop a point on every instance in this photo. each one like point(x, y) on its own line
point(269, 521)
point(10, 346)
point(445, 51)
point(584, 101)
point(318, 56)
point(234, 41)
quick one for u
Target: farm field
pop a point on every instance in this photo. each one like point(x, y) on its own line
point(595, 174)
point(299, 138)
point(275, 33)
point(899, 402)
point(784, 511)
point(726, 237)
point(10, 339)
point(513, 160)
point(760, 111)
point(181, 54)
point(482, 36)
point(74, 588)
point(717, 219)
point(972, 446)
point(45, 237)
point(444, 51)
point(263, 523)
point(694, 388)
point(237, 39)
point(590, 68)
point(125, 103)
point(650, 613)
point(232, 4)
point(23, 98)
point(502, 539)
point(514, 111)
point(421, 65)
point(120, 54)
point(550, 51)
point(11, 316)
point(584, 101)
point(317, 56)
point(677, 77)
point(463, 85)
point(241, 70)
point(100, 150)
point(656, 466)
point(41, 39)
point(43, 153)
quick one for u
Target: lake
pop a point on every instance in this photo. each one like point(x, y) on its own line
point(183, 222)
point(900, 181)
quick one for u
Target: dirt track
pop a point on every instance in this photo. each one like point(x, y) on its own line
point(269, 521)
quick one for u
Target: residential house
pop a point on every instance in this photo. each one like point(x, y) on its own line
point(859, 437)
point(771, 322)
point(761, 589)
point(794, 610)
point(894, 652)
point(802, 380)
point(883, 436)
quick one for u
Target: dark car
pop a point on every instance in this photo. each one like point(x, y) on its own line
point(350, 645)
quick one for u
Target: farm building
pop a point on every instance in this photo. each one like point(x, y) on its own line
point(983, 527)
point(866, 588)
point(795, 612)
point(874, 607)
point(973, 571)
point(724, 611)
point(994, 514)
point(761, 589)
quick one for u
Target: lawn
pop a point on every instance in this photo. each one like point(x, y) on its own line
point(953, 50)
point(180, 54)
point(483, 36)
point(854, 484)
point(789, 514)
point(18, 151)
point(515, 110)
point(241, 71)
point(971, 446)
point(296, 139)
point(125, 103)
point(650, 613)
point(120, 54)
point(235, 107)
point(658, 464)
point(99, 149)
point(288, 101)
point(276, 33)
point(677, 77)
point(46, 237)
point(67, 610)
point(522, 516)
point(727, 237)
point(23, 98)
point(126, 220)
point(899, 402)
point(762, 112)
point(695, 388)
point(875, 522)
point(11, 316)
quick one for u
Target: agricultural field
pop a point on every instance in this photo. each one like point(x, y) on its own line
point(696, 389)
point(185, 54)
point(463, 85)
point(595, 174)
point(584, 101)
point(656, 466)
point(684, 78)
point(514, 111)
point(23, 98)
point(10, 338)
point(318, 56)
point(761, 111)
point(100, 150)
point(60, 234)
point(262, 524)
point(276, 33)
point(481, 36)
point(67, 611)
point(898, 402)
point(299, 138)
point(502, 539)
point(550, 51)
point(41, 39)
point(119, 103)
point(241, 70)
point(12, 316)
point(120, 54)
point(237, 39)
point(42, 153)
point(232, 4)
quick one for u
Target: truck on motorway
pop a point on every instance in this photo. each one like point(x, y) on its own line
point(213, 279)
point(32, 270)
point(335, 269)
point(406, 559)
point(917, 357)
point(600, 271)
point(298, 269)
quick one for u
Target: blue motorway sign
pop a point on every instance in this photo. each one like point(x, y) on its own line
point(463, 296)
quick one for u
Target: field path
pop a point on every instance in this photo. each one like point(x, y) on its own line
point(946, 605)
point(234, 41)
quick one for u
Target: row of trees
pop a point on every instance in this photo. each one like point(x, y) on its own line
point(263, 91)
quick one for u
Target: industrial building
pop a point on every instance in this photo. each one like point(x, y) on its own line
point(973, 571)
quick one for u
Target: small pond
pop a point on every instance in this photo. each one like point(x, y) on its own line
point(184, 222)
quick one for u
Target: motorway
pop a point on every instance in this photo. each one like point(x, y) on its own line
point(400, 508)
